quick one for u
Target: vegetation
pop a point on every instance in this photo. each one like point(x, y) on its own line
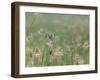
point(56, 39)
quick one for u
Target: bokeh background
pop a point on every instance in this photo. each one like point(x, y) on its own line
point(56, 39)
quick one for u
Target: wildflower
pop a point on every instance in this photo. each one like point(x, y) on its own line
point(49, 44)
point(37, 55)
point(58, 52)
point(85, 45)
point(77, 59)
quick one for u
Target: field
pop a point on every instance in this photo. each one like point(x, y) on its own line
point(56, 39)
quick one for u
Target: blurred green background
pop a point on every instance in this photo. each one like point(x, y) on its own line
point(56, 39)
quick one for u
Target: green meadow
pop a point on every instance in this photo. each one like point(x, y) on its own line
point(56, 39)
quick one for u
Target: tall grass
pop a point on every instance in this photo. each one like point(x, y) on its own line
point(68, 42)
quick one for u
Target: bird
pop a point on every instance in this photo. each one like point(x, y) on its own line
point(49, 36)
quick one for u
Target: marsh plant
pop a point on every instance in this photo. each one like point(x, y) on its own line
point(56, 39)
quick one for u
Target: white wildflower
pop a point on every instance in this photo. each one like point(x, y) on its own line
point(49, 44)
point(85, 45)
point(58, 51)
point(77, 59)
